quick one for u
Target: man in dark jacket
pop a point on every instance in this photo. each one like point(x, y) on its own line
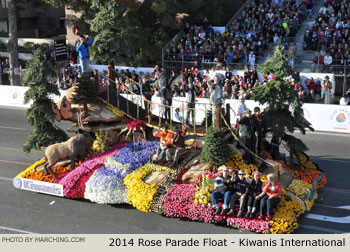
point(145, 91)
point(167, 97)
point(246, 131)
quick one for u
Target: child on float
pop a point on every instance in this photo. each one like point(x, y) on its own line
point(240, 192)
point(254, 190)
point(271, 196)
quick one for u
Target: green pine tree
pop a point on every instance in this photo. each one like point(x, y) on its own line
point(138, 38)
point(85, 92)
point(40, 115)
point(215, 150)
point(280, 97)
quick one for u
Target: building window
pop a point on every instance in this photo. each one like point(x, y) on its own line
point(4, 3)
point(3, 26)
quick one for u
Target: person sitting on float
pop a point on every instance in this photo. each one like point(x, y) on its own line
point(240, 192)
point(224, 187)
point(271, 196)
point(165, 142)
point(179, 144)
point(254, 190)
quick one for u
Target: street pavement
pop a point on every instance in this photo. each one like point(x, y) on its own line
point(28, 212)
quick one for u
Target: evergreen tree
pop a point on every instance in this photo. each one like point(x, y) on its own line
point(85, 91)
point(138, 38)
point(40, 115)
point(215, 150)
point(281, 99)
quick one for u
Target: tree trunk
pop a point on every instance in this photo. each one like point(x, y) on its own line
point(276, 149)
point(111, 76)
point(13, 44)
point(291, 158)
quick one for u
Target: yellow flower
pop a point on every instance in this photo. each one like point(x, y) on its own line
point(31, 168)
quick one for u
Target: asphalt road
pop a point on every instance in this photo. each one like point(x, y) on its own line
point(28, 212)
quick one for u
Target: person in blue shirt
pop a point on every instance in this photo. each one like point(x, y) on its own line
point(83, 51)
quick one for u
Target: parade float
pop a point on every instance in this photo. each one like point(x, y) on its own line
point(118, 169)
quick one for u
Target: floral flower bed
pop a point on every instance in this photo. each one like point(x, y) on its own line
point(285, 218)
point(140, 194)
point(136, 154)
point(72, 177)
point(31, 168)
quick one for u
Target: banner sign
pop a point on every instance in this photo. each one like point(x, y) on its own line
point(13, 96)
point(61, 50)
point(38, 186)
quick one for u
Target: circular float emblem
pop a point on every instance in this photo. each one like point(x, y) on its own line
point(341, 117)
point(17, 182)
point(14, 95)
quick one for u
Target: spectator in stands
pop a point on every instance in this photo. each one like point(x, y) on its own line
point(83, 51)
point(291, 55)
point(318, 62)
point(190, 100)
point(344, 100)
point(326, 87)
point(328, 60)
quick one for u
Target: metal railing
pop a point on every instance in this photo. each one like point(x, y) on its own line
point(140, 99)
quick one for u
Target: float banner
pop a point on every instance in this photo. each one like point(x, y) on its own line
point(330, 118)
point(171, 242)
point(38, 186)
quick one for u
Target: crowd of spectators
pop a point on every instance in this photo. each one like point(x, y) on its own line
point(261, 24)
point(329, 35)
point(232, 85)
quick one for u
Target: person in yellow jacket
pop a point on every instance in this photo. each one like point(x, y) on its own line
point(164, 146)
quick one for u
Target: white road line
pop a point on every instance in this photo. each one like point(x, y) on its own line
point(330, 160)
point(16, 230)
point(4, 127)
point(326, 230)
point(343, 220)
point(6, 179)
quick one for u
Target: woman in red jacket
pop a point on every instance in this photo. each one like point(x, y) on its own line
point(271, 196)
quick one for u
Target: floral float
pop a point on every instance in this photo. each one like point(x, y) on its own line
point(119, 175)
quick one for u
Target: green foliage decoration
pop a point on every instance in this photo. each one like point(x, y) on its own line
point(38, 77)
point(215, 150)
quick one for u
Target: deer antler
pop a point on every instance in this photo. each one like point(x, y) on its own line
point(81, 122)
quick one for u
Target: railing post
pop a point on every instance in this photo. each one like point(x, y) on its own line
point(228, 117)
point(138, 109)
point(171, 117)
point(160, 119)
point(194, 120)
point(148, 111)
point(206, 118)
point(183, 114)
point(127, 102)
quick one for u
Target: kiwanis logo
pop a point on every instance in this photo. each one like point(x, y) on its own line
point(17, 182)
point(341, 118)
